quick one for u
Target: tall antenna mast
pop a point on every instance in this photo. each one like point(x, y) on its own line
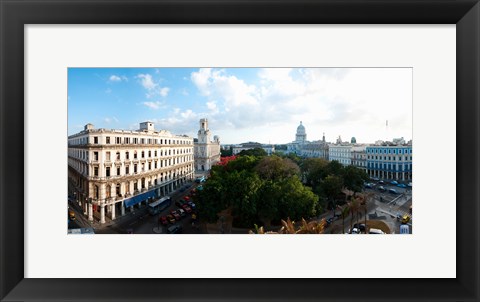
point(386, 130)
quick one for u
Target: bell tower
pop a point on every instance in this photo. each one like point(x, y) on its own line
point(203, 132)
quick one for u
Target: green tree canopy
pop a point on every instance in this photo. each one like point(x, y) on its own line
point(253, 152)
point(276, 168)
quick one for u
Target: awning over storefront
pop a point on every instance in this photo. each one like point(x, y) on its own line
point(139, 198)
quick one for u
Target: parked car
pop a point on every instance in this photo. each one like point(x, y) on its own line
point(392, 191)
point(394, 182)
point(360, 226)
point(381, 189)
point(163, 220)
point(375, 178)
point(179, 203)
point(376, 231)
point(171, 219)
point(175, 214)
point(381, 182)
point(354, 231)
point(187, 208)
point(401, 186)
point(192, 205)
point(368, 185)
point(186, 198)
point(409, 184)
point(181, 212)
point(174, 229)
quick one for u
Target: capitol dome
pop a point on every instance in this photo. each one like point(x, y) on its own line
point(300, 129)
point(301, 135)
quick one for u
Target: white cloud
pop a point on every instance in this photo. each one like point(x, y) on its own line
point(114, 78)
point(108, 120)
point(153, 105)
point(337, 101)
point(147, 82)
point(179, 122)
point(153, 88)
point(164, 91)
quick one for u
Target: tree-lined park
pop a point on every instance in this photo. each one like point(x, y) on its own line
point(264, 190)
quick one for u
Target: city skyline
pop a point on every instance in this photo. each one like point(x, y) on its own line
point(246, 104)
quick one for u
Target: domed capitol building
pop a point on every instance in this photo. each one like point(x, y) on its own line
point(301, 147)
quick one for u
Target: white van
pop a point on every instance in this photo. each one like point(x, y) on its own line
point(376, 231)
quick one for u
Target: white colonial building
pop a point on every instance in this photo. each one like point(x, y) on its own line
point(207, 152)
point(341, 153)
point(111, 171)
point(359, 157)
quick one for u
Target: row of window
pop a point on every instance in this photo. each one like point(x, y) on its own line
point(389, 151)
point(128, 140)
point(406, 167)
point(83, 154)
point(143, 154)
point(390, 157)
point(136, 168)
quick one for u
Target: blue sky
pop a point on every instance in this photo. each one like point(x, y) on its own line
point(246, 104)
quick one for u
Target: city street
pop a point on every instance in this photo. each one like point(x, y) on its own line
point(139, 221)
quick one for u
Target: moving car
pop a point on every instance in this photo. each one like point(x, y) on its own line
point(392, 191)
point(394, 182)
point(381, 189)
point(71, 215)
point(401, 186)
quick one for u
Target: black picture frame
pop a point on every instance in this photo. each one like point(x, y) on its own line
point(15, 14)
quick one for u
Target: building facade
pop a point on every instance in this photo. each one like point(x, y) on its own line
point(318, 149)
point(359, 157)
point(392, 162)
point(207, 152)
point(112, 171)
point(340, 153)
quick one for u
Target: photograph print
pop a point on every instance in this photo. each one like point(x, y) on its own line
point(240, 151)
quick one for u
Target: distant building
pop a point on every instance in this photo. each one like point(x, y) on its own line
point(359, 157)
point(268, 148)
point(301, 147)
point(390, 161)
point(341, 153)
point(110, 171)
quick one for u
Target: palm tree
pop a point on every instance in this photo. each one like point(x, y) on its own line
point(288, 227)
point(364, 201)
point(354, 206)
point(344, 212)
